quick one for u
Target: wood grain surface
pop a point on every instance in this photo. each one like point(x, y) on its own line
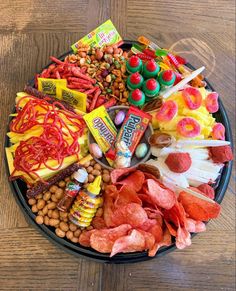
point(30, 31)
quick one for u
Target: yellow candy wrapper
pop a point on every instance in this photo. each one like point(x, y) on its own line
point(102, 128)
point(48, 86)
point(106, 33)
point(74, 98)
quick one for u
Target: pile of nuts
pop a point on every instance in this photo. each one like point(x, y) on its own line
point(44, 205)
point(107, 66)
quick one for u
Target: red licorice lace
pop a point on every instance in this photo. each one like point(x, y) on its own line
point(36, 151)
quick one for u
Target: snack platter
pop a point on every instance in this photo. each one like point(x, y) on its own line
point(134, 171)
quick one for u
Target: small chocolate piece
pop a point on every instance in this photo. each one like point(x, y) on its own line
point(152, 105)
point(39, 187)
point(34, 92)
point(160, 140)
point(149, 169)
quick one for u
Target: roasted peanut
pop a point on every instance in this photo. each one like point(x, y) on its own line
point(40, 204)
point(47, 195)
point(72, 227)
point(64, 226)
point(53, 189)
point(59, 193)
point(52, 205)
point(96, 173)
point(77, 233)
point(32, 201)
point(54, 222)
point(55, 214)
point(69, 234)
point(39, 219)
point(60, 232)
point(62, 184)
point(89, 169)
point(34, 208)
point(90, 178)
point(106, 178)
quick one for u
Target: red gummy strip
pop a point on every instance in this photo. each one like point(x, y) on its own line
point(218, 131)
point(188, 127)
point(144, 57)
point(211, 102)
point(192, 98)
point(167, 111)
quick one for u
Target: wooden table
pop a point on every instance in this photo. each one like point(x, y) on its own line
point(31, 31)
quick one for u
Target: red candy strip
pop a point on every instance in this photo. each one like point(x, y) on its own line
point(144, 57)
point(211, 102)
point(167, 111)
point(218, 131)
point(192, 98)
point(188, 127)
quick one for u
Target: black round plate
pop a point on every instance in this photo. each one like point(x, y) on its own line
point(19, 191)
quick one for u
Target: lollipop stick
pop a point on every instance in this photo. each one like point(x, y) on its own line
point(182, 83)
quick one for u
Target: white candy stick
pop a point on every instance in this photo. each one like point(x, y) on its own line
point(201, 143)
point(182, 83)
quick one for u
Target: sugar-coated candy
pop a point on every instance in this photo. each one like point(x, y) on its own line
point(95, 150)
point(141, 150)
point(120, 116)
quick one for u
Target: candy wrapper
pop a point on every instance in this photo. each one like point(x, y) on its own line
point(133, 128)
point(74, 98)
point(106, 33)
point(123, 155)
point(48, 86)
point(102, 129)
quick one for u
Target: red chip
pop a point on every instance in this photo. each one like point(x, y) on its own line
point(131, 213)
point(157, 232)
point(207, 190)
point(192, 98)
point(126, 195)
point(183, 238)
point(195, 226)
point(102, 240)
point(119, 174)
point(84, 238)
point(197, 208)
point(211, 102)
point(166, 241)
point(149, 239)
point(98, 223)
point(161, 195)
point(135, 180)
point(133, 242)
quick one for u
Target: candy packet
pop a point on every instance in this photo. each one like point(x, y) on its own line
point(48, 86)
point(106, 33)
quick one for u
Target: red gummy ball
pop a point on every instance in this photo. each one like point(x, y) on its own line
point(221, 154)
point(178, 162)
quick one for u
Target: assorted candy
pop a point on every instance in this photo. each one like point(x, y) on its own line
point(119, 203)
